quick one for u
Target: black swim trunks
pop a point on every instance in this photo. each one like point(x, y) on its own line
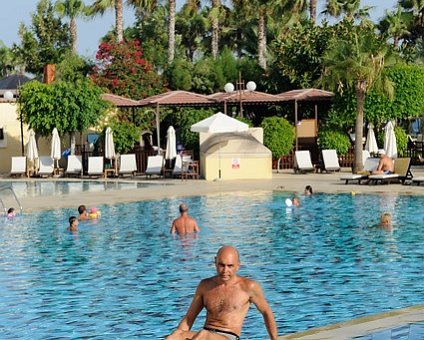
point(229, 335)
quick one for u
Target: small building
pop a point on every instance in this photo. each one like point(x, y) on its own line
point(235, 155)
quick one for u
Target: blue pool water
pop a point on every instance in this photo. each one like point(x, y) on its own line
point(56, 188)
point(124, 276)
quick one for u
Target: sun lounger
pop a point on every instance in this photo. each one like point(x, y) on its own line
point(370, 164)
point(18, 166)
point(127, 164)
point(302, 161)
point(46, 166)
point(74, 166)
point(417, 180)
point(154, 165)
point(95, 166)
point(402, 173)
point(331, 161)
point(178, 166)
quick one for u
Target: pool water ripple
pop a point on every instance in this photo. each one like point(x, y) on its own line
point(124, 276)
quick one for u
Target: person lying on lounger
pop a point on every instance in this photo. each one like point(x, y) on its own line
point(385, 165)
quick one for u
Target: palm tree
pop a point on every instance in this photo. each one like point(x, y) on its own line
point(336, 8)
point(214, 17)
point(171, 31)
point(358, 63)
point(71, 9)
point(395, 25)
point(415, 6)
point(313, 11)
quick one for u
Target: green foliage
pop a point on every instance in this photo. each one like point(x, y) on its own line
point(279, 135)
point(45, 41)
point(72, 68)
point(124, 71)
point(125, 135)
point(401, 140)
point(189, 139)
point(334, 139)
point(67, 106)
point(178, 75)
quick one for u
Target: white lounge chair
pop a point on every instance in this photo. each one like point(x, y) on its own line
point(46, 166)
point(127, 164)
point(18, 166)
point(74, 166)
point(178, 166)
point(331, 161)
point(154, 165)
point(302, 161)
point(95, 166)
point(370, 165)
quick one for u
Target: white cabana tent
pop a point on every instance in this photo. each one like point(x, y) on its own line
point(229, 149)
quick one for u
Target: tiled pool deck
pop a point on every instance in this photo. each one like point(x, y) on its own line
point(387, 326)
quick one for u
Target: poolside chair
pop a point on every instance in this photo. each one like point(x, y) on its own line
point(178, 166)
point(18, 166)
point(127, 164)
point(302, 161)
point(95, 166)
point(331, 161)
point(402, 173)
point(371, 164)
point(46, 166)
point(154, 165)
point(74, 166)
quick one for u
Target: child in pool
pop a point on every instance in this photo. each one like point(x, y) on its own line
point(73, 224)
point(94, 213)
point(11, 213)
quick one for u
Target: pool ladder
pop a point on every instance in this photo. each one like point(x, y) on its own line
point(16, 198)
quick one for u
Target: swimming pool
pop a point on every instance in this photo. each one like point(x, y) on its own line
point(56, 188)
point(124, 276)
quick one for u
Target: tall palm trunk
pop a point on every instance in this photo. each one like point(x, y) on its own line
point(215, 28)
point(171, 31)
point(119, 20)
point(262, 39)
point(73, 28)
point(313, 11)
point(360, 90)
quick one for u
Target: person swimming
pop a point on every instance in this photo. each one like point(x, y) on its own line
point(11, 213)
point(73, 224)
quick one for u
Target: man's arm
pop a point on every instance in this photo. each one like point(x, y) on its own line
point(173, 228)
point(258, 298)
point(195, 307)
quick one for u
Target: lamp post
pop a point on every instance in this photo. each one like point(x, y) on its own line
point(8, 96)
point(240, 87)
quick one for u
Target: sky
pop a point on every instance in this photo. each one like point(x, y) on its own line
point(13, 12)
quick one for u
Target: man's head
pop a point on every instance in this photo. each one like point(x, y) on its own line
point(385, 219)
point(381, 153)
point(227, 262)
point(183, 208)
point(82, 209)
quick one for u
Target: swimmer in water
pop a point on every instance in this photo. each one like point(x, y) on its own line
point(82, 211)
point(11, 213)
point(184, 224)
point(73, 224)
point(308, 190)
point(296, 201)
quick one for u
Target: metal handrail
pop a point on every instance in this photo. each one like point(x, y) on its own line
point(16, 198)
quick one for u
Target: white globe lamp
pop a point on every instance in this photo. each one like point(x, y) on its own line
point(229, 87)
point(8, 95)
point(251, 86)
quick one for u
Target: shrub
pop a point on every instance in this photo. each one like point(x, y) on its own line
point(401, 140)
point(334, 139)
point(279, 135)
point(125, 135)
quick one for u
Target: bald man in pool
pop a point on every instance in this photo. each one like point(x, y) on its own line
point(227, 298)
point(184, 224)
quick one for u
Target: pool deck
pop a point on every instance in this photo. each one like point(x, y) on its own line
point(285, 180)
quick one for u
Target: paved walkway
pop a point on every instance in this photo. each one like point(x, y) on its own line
point(160, 188)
